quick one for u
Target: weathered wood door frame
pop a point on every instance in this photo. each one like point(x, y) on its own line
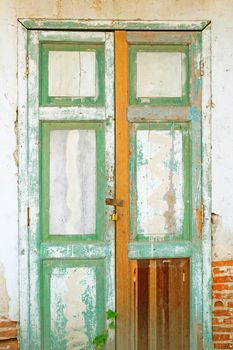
point(24, 247)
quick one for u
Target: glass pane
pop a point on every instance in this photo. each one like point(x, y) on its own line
point(72, 73)
point(72, 182)
point(160, 74)
point(160, 206)
point(162, 304)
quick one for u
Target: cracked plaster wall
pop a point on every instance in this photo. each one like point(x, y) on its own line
point(218, 11)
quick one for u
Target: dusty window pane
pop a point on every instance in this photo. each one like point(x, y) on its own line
point(159, 182)
point(160, 74)
point(72, 182)
point(72, 74)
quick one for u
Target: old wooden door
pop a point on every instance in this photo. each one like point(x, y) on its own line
point(158, 174)
point(151, 164)
point(71, 168)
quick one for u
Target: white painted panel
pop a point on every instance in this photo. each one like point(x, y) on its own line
point(72, 182)
point(72, 73)
point(160, 74)
point(159, 182)
point(72, 304)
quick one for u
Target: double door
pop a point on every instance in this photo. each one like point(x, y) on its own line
point(115, 189)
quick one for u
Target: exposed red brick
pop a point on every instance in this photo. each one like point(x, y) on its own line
point(228, 320)
point(9, 345)
point(8, 333)
point(8, 324)
point(222, 337)
point(220, 287)
point(220, 279)
point(223, 270)
point(223, 263)
point(223, 346)
point(223, 312)
point(218, 304)
point(222, 329)
point(223, 295)
point(217, 321)
point(223, 304)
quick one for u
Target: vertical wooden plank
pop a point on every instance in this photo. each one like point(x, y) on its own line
point(179, 304)
point(186, 303)
point(143, 304)
point(22, 187)
point(122, 192)
point(175, 306)
point(152, 304)
point(134, 302)
point(110, 178)
point(206, 161)
point(163, 305)
point(33, 189)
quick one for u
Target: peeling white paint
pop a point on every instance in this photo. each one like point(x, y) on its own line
point(8, 168)
point(160, 181)
point(222, 239)
point(68, 288)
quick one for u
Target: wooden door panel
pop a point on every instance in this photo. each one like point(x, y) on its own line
point(71, 167)
point(162, 311)
point(158, 149)
point(73, 302)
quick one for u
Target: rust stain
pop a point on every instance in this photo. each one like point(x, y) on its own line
point(58, 7)
point(199, 216)
point(169, 215)
point(15, 153)
point(97, 4)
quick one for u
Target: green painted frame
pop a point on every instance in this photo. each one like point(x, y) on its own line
point(136, 232)
point(45, 129)
point(87, 24)
point(157, 101)
point(47, 266)
point(45, 99)
point(25, 243)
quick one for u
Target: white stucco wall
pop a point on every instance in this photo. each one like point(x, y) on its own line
point(218, 11)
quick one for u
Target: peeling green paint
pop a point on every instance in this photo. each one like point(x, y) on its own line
point(114, 24)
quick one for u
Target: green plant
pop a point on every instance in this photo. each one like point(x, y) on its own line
point(100, 340)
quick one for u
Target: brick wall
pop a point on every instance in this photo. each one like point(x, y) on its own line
point(8, 334)
point(223, 304)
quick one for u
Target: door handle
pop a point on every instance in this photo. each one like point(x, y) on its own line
point(115, 202)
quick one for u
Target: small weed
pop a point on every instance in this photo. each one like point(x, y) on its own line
point(100, 340)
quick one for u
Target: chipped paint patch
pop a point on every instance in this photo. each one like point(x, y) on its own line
point(97, 5)
point(4, 299)
point(58, 8)
point(15, 153)
point(222, 248)
point(73, 306)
